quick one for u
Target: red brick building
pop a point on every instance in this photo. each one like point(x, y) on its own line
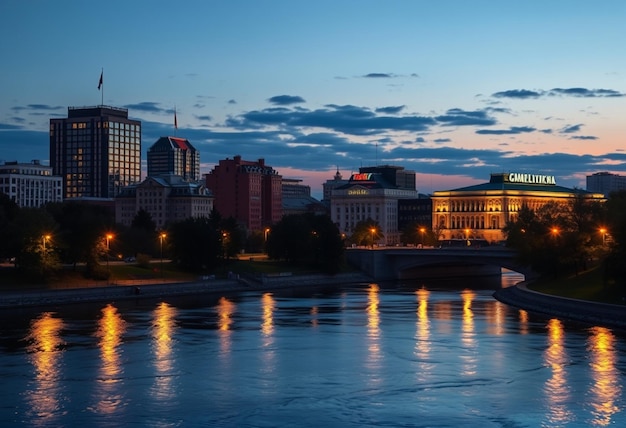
point(251, 192)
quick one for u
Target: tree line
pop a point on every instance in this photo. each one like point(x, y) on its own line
point(39, 241)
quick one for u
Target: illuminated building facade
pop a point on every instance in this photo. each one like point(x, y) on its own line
point(605, 183)
point(250, 192)
point(371, 195)
point(96, 151)
point(483, 210)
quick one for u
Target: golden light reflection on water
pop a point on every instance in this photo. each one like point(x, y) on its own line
point(268, 380)
point(268, 303)
point(225, 311)
point(468, 337)
point(422, 335)
point(523, 321)
point(606, 389)
point(556, 388)
point(163, 329)
point(374, 355)
point(45, 351)
point(111, 327)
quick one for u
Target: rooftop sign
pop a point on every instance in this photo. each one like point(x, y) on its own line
point(362, 176)
point(516, 177)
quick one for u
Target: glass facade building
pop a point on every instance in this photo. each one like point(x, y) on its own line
point(96, 151)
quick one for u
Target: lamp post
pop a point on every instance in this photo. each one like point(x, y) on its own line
point(422, 230)
point(603, 232)
point(108, 238)
point(44, 239)
point(162, 236)
point(373, 230)
point(555, 232)
point(467, 236)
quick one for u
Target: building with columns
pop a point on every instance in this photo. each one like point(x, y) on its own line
point(482, 211)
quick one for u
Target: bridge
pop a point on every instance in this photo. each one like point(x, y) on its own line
point(394, 263)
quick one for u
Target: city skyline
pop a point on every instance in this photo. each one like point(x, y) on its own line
point(454, 91)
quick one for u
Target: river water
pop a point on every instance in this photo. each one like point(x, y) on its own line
point(409, 355)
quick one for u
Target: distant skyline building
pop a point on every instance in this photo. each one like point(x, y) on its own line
point(329, 185)
point(174, 155)
point(250, 192)
point(167, 198)
point(605, 183)
point(30, 184)
point(96, 150)
point(297, 198)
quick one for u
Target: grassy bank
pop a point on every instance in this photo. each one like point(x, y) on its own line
point(588, 285)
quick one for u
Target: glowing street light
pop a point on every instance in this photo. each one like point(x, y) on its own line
point(108, 238)
point(267, 231)
point(162, 236)
point(422, 230)
point(373, 230)
point(44, 239)
point(603, 232)
point(555, 232)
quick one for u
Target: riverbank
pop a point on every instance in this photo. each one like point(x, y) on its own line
point(583, 311)
point(112, 293)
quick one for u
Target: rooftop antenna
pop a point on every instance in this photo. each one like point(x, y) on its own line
point(175, 122)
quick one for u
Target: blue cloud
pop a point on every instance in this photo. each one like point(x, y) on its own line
point(390, 109)
point(459, 117)
point(285, 100)
point(571, 129)
point(518, 93)
point(511, 131)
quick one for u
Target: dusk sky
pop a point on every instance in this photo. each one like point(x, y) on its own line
point(454, 90)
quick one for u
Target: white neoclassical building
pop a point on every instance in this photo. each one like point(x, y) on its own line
point(372, 195)
point(30, 184)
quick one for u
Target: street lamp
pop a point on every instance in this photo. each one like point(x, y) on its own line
point(555, 232)
point(422, 230)
point(162, 236)
point(108, 238)
point(267, 231)
point(373, 230)
point(603, 232)
point(467, 236)
point(44, 239)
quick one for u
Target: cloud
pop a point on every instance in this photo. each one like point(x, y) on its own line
point(583, 137)
point(458, 117)
point(346, 119)
point(571, 129)
point(586, 93)
point(379, 76)
point(149, 107)
point(285, 100)
point(570, 92)
point(511, 131)
point(390, 109)
point(518, 93)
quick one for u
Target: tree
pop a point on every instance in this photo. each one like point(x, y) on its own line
point(9, 238)
point(194, 244)
point(39, 243)
point(366, 232)
point(418, 233)
point(307, 239)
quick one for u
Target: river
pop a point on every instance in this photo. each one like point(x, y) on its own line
point(368, 355)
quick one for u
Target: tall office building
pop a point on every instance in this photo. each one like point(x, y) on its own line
point(96, 150)
point(605, 183)
point(251, 192)
point(173, 155)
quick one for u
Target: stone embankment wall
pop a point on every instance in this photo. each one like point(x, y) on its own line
point(571, 309)
point(126, 292)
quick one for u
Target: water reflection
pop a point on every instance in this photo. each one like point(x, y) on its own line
point(606, 389)
point(45, 352)
point(225, 311)
point(556, 389)
point(269, 351)
point(468, 337)
point(422, 335)
point(163, 329)
point(111, 327)
point(373, 361)
point(523, 321)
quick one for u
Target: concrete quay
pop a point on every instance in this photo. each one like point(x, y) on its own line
point(112, 293)
point(582, 311)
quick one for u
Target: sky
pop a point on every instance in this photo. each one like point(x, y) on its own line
point(453, 90)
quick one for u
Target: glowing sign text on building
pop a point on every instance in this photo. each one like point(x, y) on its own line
point(361, 176)
point(357, 192)
point(516, 177)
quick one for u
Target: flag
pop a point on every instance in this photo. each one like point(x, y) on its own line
point(100, 81)
point(175, 120)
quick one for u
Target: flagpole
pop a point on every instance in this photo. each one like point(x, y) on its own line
point(101, 86)
point(175, 122)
